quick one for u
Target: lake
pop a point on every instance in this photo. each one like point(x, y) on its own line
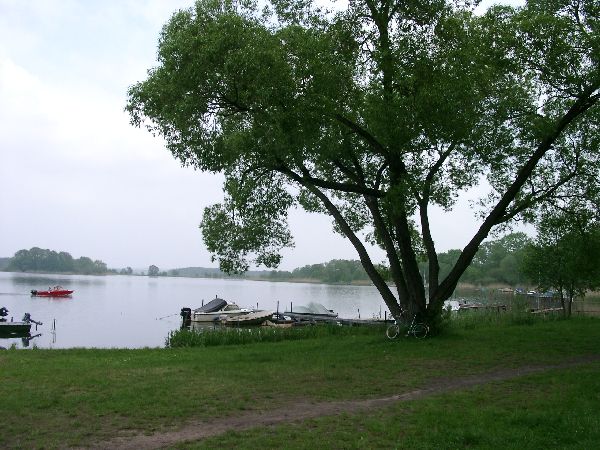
point(118, 311)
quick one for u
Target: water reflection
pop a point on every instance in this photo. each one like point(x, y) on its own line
point(31, 281)
point(12, 339)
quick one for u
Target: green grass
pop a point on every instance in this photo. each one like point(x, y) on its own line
point(559, 409)
point(59, 398)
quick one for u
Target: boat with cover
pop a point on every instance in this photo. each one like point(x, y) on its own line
point(56, 291)
point(312, 312)
point(15, 328)
point(217, 309)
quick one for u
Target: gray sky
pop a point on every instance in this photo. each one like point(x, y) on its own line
point(76, 177)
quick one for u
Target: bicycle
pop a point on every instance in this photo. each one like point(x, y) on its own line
point(417, 329)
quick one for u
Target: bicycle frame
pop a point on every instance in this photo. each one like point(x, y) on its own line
point(417, 329)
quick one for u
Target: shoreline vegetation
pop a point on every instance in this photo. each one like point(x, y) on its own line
point(156, 394)
point(497, 263)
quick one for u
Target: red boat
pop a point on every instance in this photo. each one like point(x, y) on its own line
point(56, 291)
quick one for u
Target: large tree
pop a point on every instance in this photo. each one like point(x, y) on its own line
point(373, 114)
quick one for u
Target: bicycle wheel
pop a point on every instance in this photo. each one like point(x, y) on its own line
point(392, 331)
point(419, 330)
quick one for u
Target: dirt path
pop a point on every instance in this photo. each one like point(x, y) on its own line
point(299, 411)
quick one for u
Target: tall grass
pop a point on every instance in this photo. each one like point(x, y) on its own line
point(237, 336)
point(480, 318)
point(464, 320)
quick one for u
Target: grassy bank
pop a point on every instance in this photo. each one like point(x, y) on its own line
point(559, 409)
point(58, 398)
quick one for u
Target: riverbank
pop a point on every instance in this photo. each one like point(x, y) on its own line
point(85, 397)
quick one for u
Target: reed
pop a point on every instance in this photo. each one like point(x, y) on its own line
point(240, 336)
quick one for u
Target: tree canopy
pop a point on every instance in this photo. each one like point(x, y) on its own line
point(153, 271)
point(498, 261)
point(44, 260)
point(373, 114)
point(565, 256)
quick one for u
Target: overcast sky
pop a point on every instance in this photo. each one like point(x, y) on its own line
point(76, 177)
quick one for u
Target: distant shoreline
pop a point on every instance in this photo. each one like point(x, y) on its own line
point(279, 280)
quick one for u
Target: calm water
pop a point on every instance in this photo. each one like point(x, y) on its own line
point(134, 311)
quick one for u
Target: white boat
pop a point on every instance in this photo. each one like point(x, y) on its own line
point(217, 309)
point(253, 318)
point(311, 312)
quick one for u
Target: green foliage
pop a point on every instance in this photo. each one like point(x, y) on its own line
point(373, 114)
point(45, 260)
point(565, 258)
point(250, 226)
point(334, 271)
point(498, 261)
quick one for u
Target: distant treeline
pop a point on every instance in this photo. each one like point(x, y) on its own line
point(497, 262)
point(4, 263)
point(43, 260)
point(335, 271)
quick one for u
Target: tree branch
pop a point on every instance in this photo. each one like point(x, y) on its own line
point(434, 266)
point(380, 284)
point(579, 107)
point(364, 134)
point(390, 249)
point(343, 187)
point(537, 197)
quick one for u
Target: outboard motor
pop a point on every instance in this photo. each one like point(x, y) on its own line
point(3, 314)
point(186, 317)
point(27, 318)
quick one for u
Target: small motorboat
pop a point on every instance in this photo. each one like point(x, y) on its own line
point(311, 312)
point(253, 318)
point(217, 309)
point(15, 328)
point(56, 291)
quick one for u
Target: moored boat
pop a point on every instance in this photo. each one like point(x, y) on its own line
point(15, 328)
point(56, 291)
point(9, 328)
point(252, 318)
point(311, 312)
point(217, 309)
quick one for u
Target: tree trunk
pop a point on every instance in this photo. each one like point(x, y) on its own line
point(562, 302)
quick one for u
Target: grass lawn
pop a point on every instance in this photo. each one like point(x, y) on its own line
point(559, 409)
point(59, 398)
